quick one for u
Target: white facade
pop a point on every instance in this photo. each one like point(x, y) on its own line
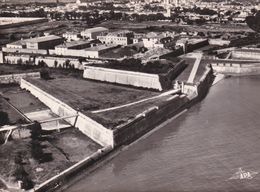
point(93, 32)
point(117, 38)
point(17, 45)
point(109, 39)
point(71, 36)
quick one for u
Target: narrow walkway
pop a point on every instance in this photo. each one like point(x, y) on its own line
point(137, 102)
point(195, 68)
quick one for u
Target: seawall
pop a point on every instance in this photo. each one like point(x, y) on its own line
point(119, 136)
point(147, 120)
point(237, 69)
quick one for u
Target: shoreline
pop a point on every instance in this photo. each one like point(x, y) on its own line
point(207, 83)
point(144, 125)
point(116, 152)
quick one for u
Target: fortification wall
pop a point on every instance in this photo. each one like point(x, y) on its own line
point(50, 61)
point(1, 57)
point(252, 55)
point(136, 79)
point(147, 120)
point(14, 59)
point(240, 69)
point(86, 125)
point(16, 78)
point(30, 51)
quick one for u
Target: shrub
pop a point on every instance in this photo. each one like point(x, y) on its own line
point(4, 119)
point(35, 130)
point(38, 153)
point(44, 73)
point(20, 174)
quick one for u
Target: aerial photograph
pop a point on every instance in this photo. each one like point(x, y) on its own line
point(129, 95)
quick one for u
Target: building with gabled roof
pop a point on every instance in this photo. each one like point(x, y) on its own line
point(92, 33)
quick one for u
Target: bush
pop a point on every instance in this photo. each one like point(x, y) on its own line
point(20, 174)
point(35, 130)
point(4, 119)
point(44, 73)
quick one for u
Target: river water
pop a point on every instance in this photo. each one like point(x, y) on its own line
point(199, 151)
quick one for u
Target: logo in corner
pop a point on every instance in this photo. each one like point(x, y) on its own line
point(241, 174)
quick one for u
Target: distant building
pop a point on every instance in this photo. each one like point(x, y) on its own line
point(65, 49)
point(21, 44)
point(182, 43)
point(82, 49)
point(96, 51)
point(45, 42)
point(1, 57)
point(246, 53)
point(92, 33)
point(72, 36)
point(154, 40)
point(117, 38)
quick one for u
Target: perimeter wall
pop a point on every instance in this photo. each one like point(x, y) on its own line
point(89, 127)
point(136, 79)
point(242, 69)
point(16, 78)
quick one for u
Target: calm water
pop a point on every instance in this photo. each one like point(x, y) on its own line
point(199, 151)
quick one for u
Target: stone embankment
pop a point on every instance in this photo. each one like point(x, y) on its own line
point(122, 134)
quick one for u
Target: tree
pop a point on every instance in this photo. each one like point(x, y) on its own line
point(20, 173)
point(254, 22)
point(55, 63)
point(67, 63)
point(35, 130)
point(4, 119)
point(19, 61)
point(42, 63)
point(11, 37)
point(44, 73)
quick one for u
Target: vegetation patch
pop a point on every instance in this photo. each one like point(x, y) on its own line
point(136, 65)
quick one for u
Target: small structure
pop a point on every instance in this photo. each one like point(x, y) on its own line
point(17, 44)
point(44, 42)
point(123, 37)
point(96, 51)
point(66, 48)
point(72, 36)
point(155, 40)
point(92, 33)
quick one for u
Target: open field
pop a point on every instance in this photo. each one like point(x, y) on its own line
point(119, 53)
point(88, 95)
point(14, 116)
point(52, 26)
point(14, 20)
point(59, 146)
point(6, 69)
point(71, 139)
point(36, 1)
point(148, 26)
point(23, 100)
point(113, 118)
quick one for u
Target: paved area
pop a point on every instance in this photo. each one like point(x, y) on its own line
point(48, 115)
